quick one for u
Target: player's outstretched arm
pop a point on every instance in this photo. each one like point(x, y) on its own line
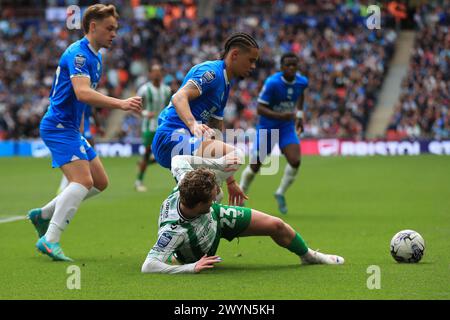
point(181, 103)
point(223, 167)
point(153, 265)
point(84, 93)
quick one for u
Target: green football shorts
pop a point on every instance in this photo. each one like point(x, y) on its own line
point(232, 220)
point(147, 138)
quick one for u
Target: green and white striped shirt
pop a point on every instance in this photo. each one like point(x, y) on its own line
point(154, 99)
point(186, 239)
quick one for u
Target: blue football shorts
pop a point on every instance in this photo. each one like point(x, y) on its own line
point(169, 143)
point(267, 138)
point(66, 145)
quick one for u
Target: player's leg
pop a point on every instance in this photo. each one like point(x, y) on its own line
point(66, 204)
point(80, 187)
point(147, 138)
point(214, 149)
point(292, 153)
point(142, 167)
point(290, 147)
point(41, 216)
point(62, 185)
point(248, 175)
point(262, 147)
point(99, 177)
point(80, 181)
point(90, 139)
point(262, 224)
point(284, 235)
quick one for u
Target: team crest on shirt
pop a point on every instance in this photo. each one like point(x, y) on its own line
point(164, 240)
point(80, 61)
point(98, 66)
point(208, 76)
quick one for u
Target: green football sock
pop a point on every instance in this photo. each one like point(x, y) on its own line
point(140, 176)
point(298, 245)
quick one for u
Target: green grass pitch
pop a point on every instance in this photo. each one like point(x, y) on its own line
point(345, 205)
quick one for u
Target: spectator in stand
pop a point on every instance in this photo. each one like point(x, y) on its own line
point(423, 108)
point(344, 61)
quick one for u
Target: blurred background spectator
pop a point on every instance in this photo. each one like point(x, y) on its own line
point(344, 60)
point(423, 107)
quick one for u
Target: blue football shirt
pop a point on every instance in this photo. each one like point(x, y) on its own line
point(280, 95)
point(79, 60)
point(211, 80)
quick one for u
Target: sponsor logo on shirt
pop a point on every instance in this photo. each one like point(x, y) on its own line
point(79, 61)
point(208, 76)
point(164, 240)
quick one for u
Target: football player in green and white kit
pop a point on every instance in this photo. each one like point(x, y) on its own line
point(155, 96)
point(191, 223)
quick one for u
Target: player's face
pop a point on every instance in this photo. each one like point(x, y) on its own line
point(245, 62)
point(289, 67)
point(105, 31)
point(156, 74)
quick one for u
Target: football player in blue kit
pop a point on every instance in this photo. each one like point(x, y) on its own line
point(76, 78)
point(186, 125)
point(280, 107)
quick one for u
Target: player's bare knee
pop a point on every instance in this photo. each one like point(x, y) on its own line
point(102, 184)
point(296, 164)
point(278, 226)
point(87, 182)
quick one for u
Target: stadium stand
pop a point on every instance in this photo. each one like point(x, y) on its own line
point(345, 61)
point(423, 106)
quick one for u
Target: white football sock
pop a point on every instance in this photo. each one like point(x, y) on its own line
point(92, 192)
point(63, 184)
point(67, 204)
point(288, 178)
point(246, 178)
point(49, 208)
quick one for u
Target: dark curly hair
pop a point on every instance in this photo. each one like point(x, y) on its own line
point(197, 186)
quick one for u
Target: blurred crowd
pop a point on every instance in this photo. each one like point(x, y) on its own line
point(344, 61)
point(423, 107)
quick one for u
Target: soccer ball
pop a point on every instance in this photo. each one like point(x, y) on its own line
point(407, 246)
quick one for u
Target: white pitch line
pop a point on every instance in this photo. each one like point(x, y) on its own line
point(11, 219)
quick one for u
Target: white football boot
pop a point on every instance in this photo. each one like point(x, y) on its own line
point(316, 257)
point(140, 187)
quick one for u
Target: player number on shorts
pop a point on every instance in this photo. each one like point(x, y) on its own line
point(225, 217)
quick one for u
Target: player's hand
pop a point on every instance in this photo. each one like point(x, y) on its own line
point(201, 130)
point(287, 116)
point(236, 196)
point(133, 104)
point(206, 263)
